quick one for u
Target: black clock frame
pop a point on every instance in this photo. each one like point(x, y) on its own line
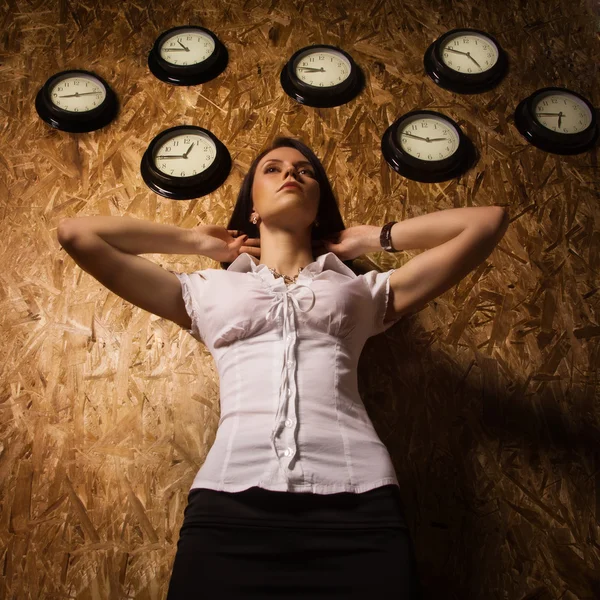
point(325, 97)
point(188, 75)
point(185, 188)
point(553, 141)
point(463, 83)
point(424, 170)
point(75, 122)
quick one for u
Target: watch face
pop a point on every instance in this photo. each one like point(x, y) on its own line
point(469, 53)
point(187, 47)
point(428, 138)
point(322, 68)
point(562, 112)
point(77, 93)
point(185, 154)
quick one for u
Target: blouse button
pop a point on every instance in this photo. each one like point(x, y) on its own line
point(288, 423)
point(288, 451)
point(290, 364)
point(289, 392)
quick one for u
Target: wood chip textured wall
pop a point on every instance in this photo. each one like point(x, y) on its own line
point(488, 399)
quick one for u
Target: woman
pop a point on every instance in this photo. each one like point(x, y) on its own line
point(297, 496)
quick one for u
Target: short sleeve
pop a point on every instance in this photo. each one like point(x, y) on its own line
point(192, 290)
point(378, 285)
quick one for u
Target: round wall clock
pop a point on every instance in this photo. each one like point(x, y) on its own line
point(427, 146)
point(466, 61)
point(76, 101)
point(557, 120)
point(321, 76)
point(187, 55)
point(185, 162)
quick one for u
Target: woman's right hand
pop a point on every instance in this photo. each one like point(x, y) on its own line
point(224, 245)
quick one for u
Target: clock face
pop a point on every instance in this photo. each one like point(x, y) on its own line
point(562, 112)
point(322, 68)
point(469, 53)
point(428, 138)
point(78, 93)
point(187, 47)
point(185, 154)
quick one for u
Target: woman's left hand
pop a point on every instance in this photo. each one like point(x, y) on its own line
point(347, 244)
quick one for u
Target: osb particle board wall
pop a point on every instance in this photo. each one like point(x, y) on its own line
point(487, 399)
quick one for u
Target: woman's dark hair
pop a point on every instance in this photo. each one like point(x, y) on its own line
point(328, 214)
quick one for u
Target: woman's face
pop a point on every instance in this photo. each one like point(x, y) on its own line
point(290, 208)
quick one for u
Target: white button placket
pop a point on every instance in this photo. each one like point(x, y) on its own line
point(286, 422)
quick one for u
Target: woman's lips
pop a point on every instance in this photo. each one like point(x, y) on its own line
point(289, 186)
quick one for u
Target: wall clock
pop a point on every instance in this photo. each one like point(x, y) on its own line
point(187, 55)
point(466, 61)
point(185, 162)
point(321, 76)
point(76, 101)
point(427, 146)
point(557, 120)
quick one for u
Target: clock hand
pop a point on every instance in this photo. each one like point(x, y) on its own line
point(188, 150)
point(559, 118)
point(548, 114)
point(416, 136)
point(437, 139)
point(172, 156)
point(186, 49)
point(469, 55)
point(312, 70)
point(77, 94)
point(175, 50)
point(457, 51)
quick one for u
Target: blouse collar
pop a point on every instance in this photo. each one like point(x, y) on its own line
point(245, 263)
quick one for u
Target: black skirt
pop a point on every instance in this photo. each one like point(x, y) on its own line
point(264, 544)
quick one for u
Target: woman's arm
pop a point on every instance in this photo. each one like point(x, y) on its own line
point(134, 236)
point(438, 227)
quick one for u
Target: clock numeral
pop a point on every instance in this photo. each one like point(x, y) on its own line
point(321, 57)
point(172, 171)
point(195, 172)
point(429, 156)
point(441, 155)
point(183, 173)
point(164, 166)
point(418, 155)
point(469, 70)
point(175, 142)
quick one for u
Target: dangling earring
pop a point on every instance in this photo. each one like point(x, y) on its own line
point(254, 220)
point(316, 223)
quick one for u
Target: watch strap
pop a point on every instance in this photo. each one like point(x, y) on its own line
point(385, 237)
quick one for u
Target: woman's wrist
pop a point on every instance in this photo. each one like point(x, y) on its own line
point(372, 235)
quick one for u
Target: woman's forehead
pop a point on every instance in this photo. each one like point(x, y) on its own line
point(285, 154)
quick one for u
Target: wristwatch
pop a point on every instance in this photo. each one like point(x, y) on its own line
point(385, 237)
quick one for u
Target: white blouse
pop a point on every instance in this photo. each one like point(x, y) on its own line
point(292, 419)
